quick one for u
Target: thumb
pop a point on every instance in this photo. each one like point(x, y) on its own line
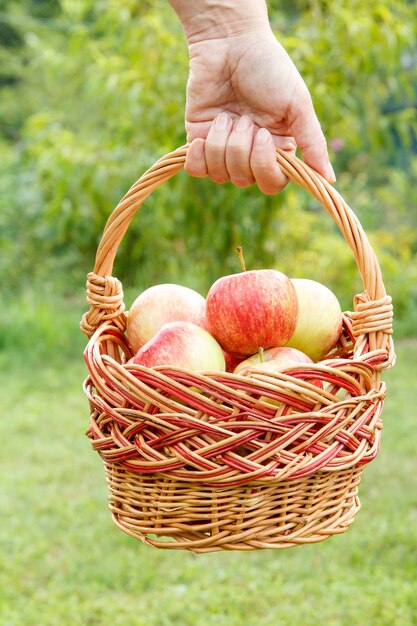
point(308, 135)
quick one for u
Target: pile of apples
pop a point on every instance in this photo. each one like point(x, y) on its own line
point(253, 319)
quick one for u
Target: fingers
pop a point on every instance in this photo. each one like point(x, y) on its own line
point(263, 162)
point(195, 161)
point(238, 152)
point(225, 154)
point(234, 151)
point(309, 136)
point(215, 148)
point(227, 150)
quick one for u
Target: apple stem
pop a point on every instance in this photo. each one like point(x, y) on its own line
point(261, 354)
point(239, 250)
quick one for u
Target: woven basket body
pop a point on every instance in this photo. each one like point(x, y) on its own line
point(211, 461)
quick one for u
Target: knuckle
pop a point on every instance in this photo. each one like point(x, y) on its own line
point(213, 150)
point(236, 144)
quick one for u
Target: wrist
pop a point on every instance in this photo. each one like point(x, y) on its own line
point(204, 20)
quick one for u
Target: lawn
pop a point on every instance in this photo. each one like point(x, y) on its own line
point(63, 563)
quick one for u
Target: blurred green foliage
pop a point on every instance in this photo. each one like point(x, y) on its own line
point(92, 92)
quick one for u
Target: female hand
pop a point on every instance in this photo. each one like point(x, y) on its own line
point(244, 98)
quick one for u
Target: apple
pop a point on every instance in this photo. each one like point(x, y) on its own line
point(252, 309)
point(319, 321)
point(159, 305)
point(182, 344)
point(232, 360)
point(274, 360)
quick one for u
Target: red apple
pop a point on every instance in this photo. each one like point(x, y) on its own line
point(319, 321)
point(159, 305)
point(274, 360)
point(182, 344)
point(252, 309)
point(232, 360)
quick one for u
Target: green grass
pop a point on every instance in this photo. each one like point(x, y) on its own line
point(63, 563)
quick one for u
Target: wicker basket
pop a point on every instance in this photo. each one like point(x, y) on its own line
point(219, 461)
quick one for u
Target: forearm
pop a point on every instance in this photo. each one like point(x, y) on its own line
point(212, 19)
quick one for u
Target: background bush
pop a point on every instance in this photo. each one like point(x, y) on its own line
point(92, 93)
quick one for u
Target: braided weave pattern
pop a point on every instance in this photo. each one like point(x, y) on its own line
point(221, 433)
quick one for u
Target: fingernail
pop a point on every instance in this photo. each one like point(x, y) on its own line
point(198, 147)
point(221, 122)
point(243, 123)
point(263, 136)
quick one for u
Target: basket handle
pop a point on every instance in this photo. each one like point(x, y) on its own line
point(372, 315)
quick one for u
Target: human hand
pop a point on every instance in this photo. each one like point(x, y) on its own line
point(245, 97)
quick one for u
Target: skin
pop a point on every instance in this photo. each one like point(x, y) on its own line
point(244, 97)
